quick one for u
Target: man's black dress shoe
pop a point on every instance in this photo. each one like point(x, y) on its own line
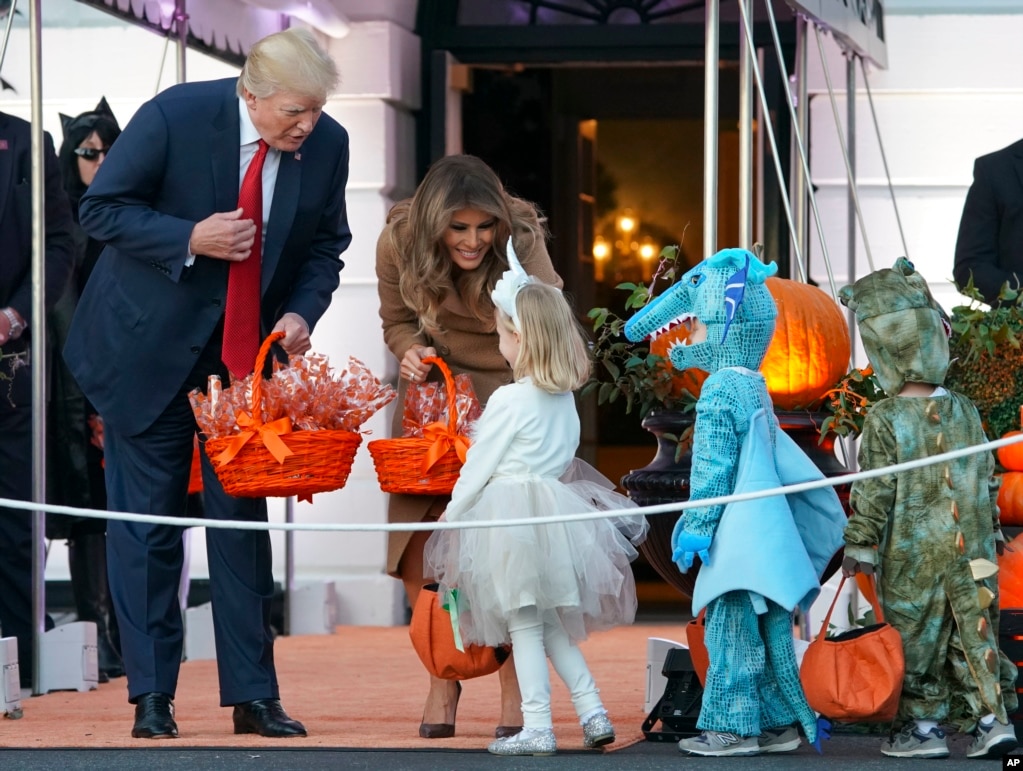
point(265, 717)
point(154, 717)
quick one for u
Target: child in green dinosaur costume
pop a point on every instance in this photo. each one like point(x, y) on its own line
point(932, 532)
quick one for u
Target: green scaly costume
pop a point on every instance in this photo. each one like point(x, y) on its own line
point(923, 527)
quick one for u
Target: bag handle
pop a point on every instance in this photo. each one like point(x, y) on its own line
point(871, 597)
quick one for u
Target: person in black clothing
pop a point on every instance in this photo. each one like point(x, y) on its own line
point(16, 472)
point(75, 456)
point(989, 248)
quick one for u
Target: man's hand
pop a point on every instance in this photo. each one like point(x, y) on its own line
point(223, 236)
point(296, 334)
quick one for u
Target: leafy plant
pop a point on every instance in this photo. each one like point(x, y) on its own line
point(849, 402)
point(626, 372)
point(987, 357)
point(986, 365)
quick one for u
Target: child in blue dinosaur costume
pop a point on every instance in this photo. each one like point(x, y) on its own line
point(762, 558)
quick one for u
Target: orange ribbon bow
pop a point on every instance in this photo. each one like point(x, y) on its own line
point(270, 433)
point(442, 439)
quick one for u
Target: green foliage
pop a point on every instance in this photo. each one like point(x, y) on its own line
point(849, 402)
point(986, 352)
point(627, 373)
point(987, 357)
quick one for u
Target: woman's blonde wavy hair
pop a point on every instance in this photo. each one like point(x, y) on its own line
point(453, 183)
point(553, 349)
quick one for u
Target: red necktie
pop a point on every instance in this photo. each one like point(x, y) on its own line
point(241, 314)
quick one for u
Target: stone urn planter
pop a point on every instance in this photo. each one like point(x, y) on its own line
point(666, 480)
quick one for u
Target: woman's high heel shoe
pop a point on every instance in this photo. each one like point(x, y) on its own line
point(441, 730)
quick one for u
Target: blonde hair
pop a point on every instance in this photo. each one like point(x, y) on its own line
point(291, 61)
point(453, 183)
point(553, 349)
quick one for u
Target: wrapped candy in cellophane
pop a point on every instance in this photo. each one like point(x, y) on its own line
point(436, 420)
point(427, 403)
point(295, 433)
point(308, 391)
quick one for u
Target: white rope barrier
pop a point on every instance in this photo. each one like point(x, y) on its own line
point(661, 508)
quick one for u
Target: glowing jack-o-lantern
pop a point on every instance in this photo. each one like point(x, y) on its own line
point(810, 349)
point(808, 354)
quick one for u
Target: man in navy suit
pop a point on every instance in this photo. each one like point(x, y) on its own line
point(990, 244)
point(149, 329)
point(15, 372)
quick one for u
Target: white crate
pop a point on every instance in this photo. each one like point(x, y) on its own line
point(69, 658)
point(10, 678)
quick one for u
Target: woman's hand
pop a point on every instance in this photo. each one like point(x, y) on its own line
point(412, 367)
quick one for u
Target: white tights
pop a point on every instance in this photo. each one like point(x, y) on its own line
point(534, 639)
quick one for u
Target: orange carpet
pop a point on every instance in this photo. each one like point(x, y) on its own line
point(362, 687)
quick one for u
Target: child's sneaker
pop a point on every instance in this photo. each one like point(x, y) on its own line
point(598, 731)
point(528, 741)
point(720, 744)
point(910, 743)
point(992, 741)
point(785, 739)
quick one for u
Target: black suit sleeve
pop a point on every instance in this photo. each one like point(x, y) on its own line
point(59, 239)
point(977, 246)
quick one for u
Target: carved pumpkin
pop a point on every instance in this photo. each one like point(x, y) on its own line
point(808, 354)
point(810, 349)
point(1010, 499)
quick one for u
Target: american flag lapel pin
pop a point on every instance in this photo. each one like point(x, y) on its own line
point(298, 156)
point(3, 144)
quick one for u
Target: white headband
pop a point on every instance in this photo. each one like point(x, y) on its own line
point(508, 286)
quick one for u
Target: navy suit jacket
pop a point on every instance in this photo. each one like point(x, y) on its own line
point(990, 242)
point(144, 316)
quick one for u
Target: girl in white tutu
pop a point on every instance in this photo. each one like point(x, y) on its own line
point(542, 587)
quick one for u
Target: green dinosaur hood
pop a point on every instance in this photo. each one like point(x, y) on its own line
point(904, 331)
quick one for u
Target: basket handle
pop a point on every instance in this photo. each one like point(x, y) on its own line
point(449, 383)
point(257, 380)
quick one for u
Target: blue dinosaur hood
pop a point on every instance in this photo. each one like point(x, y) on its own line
point(727, 293)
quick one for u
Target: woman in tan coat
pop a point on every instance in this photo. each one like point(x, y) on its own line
point(438, 257)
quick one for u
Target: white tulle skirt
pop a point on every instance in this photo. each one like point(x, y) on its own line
point(578, 570)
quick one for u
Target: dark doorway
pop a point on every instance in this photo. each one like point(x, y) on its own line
point(643, 126)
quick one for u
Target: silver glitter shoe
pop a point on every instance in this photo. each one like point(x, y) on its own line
point(598, 731)
point(528, 741)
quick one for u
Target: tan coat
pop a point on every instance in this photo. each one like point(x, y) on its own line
point(465, 346)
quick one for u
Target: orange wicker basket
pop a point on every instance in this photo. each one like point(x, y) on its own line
point(426, 465)
point(300, 463)
point(195, 472)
